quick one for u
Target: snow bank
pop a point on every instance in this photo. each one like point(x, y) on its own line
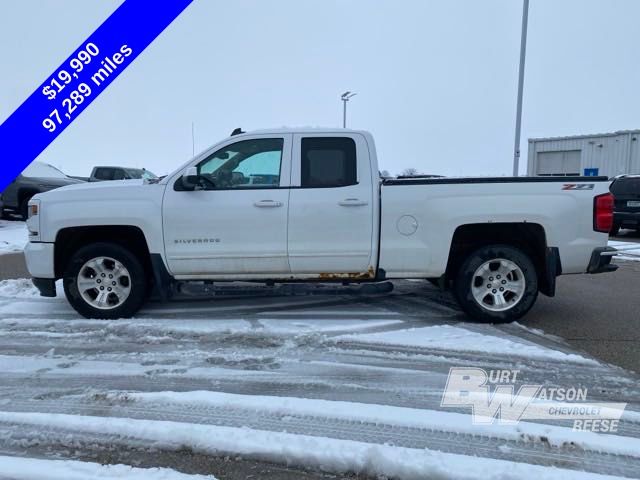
point(313, 452)
point(13, 236)
point(21, 288)
point(450, 338)
point(18, 468)
point(397, 416)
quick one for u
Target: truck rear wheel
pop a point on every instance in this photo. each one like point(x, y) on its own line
point(496, 284)
point(105, 280)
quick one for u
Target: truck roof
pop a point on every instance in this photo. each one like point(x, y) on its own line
point(283, 130)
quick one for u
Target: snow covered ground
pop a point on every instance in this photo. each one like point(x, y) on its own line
point(17, 468)
point(629, 250)
point(329, 382)
point(13, 236)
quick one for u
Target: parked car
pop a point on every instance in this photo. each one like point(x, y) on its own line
point(38, 177)
point(626, 211)
point(100, 174)
point(309, 205)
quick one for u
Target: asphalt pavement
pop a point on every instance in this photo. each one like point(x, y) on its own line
point(599, 314)
point(12, 265)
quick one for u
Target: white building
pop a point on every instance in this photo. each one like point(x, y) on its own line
point(607, 154)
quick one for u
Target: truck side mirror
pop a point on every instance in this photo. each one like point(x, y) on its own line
point(190, 178)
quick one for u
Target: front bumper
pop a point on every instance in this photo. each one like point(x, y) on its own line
point(600, 263)
point(626, 219)
point(39, 257)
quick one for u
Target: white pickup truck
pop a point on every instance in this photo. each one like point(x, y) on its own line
point(309, 205)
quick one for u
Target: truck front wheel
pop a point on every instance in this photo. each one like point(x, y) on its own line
point(496, 284)
point(105, 280)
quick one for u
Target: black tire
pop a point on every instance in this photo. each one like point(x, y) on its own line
point(138, 281)
point(465, 276)
point(615, 230)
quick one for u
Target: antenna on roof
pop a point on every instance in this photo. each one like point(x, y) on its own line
point(237, 131)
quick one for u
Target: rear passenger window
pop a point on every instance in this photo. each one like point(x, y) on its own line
point(328, 162)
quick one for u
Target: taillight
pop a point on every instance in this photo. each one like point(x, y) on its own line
point(603, 213)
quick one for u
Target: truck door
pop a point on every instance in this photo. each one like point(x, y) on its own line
point(331, 206)
point(235, 224)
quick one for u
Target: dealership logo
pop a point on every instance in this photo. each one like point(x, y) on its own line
point(493, 398)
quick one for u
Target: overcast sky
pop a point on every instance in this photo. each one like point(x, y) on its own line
point(436, 79)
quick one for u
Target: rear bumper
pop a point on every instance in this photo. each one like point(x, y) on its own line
point(627, 219)
point(601, 263)
point(46, 286)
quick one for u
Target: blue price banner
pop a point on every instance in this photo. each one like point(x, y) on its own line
point(83, 76)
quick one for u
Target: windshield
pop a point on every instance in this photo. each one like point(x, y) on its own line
point(140, 173)
point(42, 170)
point(626, 186)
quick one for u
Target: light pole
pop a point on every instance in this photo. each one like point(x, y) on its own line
point(345, 98)
point(523, 50)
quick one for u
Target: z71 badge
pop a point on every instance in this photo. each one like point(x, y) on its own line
point(578, 186)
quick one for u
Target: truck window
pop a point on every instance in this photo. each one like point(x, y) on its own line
point(626, 186)
point(104, 174)
point(139, 173)
point(246, 164)
point(119, 174)
point(328, 162)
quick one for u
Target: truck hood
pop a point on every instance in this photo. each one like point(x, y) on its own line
point(91, 190)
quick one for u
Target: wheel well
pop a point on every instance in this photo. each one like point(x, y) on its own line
point(528, 237)
point(69, 240)
point(25, 193)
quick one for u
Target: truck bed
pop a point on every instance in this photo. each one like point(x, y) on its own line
point(420, 220)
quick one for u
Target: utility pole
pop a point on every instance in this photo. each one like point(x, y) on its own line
point(523, 50)
point(345, 98)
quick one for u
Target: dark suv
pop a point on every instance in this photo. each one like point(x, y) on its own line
point(36, 178)
point(626, 211)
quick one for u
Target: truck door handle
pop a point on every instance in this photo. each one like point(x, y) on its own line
point(268, 203)
point(352, 202)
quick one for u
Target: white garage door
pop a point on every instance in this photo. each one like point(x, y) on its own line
point(565, 162)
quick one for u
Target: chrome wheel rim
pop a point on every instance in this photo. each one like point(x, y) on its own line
point(498, 285)
point(104, 283)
